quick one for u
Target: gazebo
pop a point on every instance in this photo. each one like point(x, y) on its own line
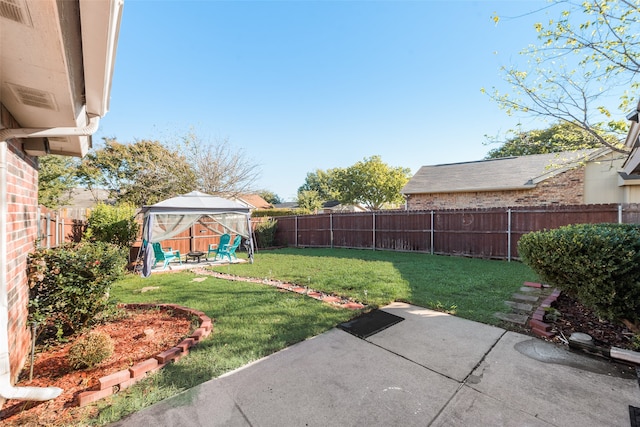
point(171, 217)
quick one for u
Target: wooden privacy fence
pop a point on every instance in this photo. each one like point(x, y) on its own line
point(54, 229)
point(483, 233)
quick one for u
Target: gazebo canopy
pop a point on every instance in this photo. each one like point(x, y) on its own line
point(172, 216)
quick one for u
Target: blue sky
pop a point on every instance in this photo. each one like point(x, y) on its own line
point(305, 85)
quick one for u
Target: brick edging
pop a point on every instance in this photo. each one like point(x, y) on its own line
point(332, 299)
point(538, 326)
point(111, 384)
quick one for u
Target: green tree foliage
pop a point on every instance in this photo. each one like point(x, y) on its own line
point(220, 168)
point(141, 173)
point(599, 264)
point(56, 178)
point(584, 58)
point(270, 197)
point(557, 138)
point(309, 201)
point(371, 183)
point(113, 224)
point(322, 183)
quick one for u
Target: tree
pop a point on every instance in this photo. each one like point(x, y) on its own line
point(270, 197)
point(56, 178)
point(588, 56)
point(220, 169)
point(141, 173)
point(322, 183)
point(309, 201)
point(557, 138)
point(372, 183)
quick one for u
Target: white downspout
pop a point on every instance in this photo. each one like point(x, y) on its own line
point(8, 391)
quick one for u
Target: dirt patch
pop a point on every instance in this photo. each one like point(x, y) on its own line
point(575, 317)
point(137, 337)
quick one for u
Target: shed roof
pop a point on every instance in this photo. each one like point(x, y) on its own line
point(507, 173)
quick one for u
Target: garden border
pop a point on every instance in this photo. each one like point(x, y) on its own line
point(113, 383)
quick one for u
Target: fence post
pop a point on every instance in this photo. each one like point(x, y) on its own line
point(296, 228)
point(432, 239)
point(509, 234)
point(374, 230)
point(48, 230)
point(331, 230)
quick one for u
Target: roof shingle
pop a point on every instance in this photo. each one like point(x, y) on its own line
point(508, 173)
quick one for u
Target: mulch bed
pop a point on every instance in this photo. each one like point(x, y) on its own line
point(575, 317)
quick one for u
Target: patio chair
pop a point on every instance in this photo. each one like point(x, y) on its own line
point(164, 256)
point(213, 249)
point(230, 250)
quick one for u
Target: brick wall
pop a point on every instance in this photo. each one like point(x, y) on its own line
point(566, 188)
point(22, 195)
point(22, 202)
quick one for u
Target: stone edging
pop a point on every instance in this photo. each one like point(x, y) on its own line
point(320, 296)
point(120, 380)
point(538, 326)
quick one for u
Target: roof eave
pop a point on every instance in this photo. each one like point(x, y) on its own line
point(473, 190)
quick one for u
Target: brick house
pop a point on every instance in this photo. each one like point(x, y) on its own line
point(56, 64)
point(568, 178)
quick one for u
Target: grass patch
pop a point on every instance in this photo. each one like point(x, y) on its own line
point(472, 288)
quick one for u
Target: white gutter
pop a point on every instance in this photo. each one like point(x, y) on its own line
point(8, 391)
point(88, 130)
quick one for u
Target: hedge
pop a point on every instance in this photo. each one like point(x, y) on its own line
point(598, 264)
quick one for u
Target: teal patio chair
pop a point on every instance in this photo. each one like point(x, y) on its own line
point(230, 250)
point(164, 256)
point(213, 249)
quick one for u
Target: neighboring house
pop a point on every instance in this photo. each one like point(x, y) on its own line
point(630, 174)
point(82, 201)
point(254, 201)
point(567, 178)
point(333, 206)
point(56, 64)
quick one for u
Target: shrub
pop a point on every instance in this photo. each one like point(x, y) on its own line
point(113, 224)
point(69, 285)
point(265, 233)
point(599, 264)
point(275, 212)
point(90, 350)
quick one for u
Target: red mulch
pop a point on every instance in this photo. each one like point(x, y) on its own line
point(132, 345)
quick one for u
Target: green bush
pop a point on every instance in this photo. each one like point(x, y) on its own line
point(113, 224)
point(69, 286)
point(89, 350)
point(265, 233)
point(599, 264)
point(275, 212)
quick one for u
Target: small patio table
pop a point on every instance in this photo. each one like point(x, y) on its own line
point(196, 255)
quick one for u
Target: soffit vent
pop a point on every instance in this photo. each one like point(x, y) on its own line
point(34, 97)
point(15, 10)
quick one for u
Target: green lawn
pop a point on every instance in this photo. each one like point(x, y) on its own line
point(478, 288)
point(253, 320)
